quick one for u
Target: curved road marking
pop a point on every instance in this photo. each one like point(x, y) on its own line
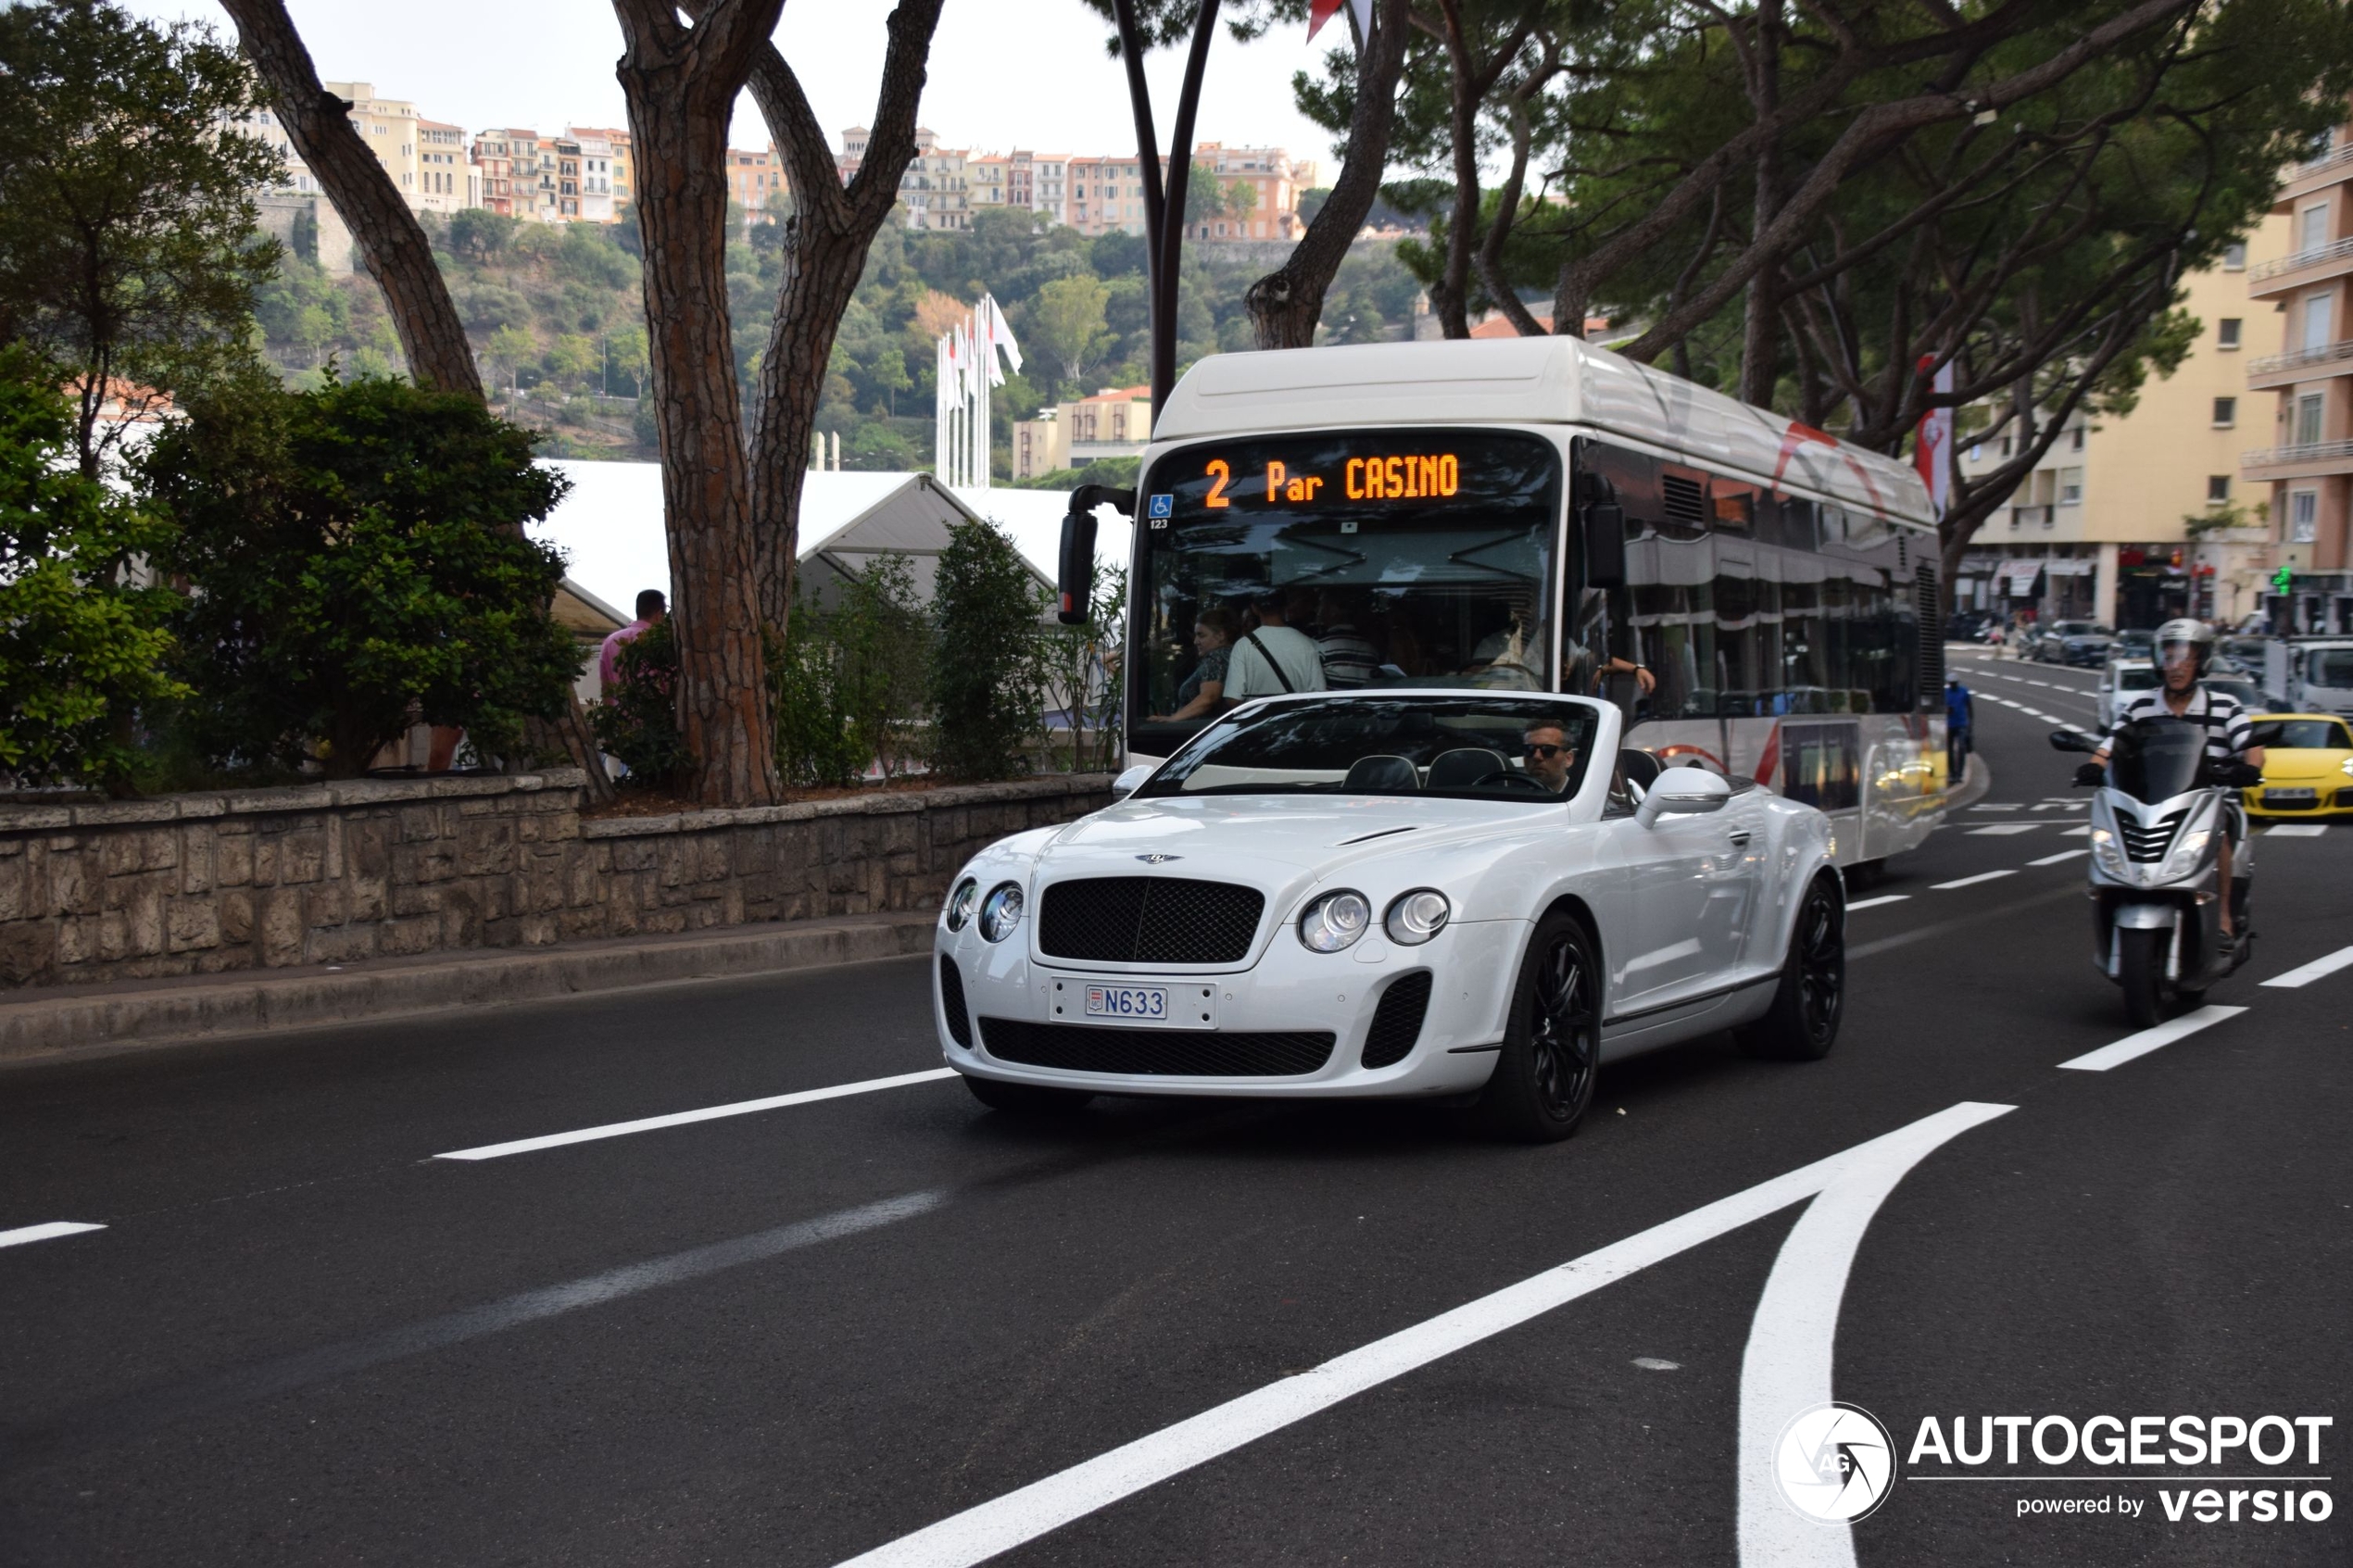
point(1003, 1523)
point(1787, 1366)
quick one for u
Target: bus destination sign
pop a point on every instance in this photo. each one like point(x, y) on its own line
point(1405, 476)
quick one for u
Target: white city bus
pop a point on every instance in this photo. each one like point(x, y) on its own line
point(1537, 514)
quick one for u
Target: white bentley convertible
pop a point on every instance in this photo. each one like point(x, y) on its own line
point(1395, 893)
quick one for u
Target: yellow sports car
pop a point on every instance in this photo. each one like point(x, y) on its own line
point(2308, 766)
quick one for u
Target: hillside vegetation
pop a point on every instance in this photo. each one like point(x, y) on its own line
point(555, 315)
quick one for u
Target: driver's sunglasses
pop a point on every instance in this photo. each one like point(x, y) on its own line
point(1543, 753)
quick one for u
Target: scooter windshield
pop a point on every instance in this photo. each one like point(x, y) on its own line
point(2156, 759)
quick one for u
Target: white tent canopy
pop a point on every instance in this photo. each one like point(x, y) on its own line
point(610, 525)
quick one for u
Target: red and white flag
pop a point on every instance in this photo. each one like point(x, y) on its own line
point(1321, 11)
point(1932, 441)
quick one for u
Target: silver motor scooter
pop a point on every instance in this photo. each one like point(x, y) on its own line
point(2157, 822)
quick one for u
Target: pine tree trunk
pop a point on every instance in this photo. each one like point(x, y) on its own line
point(400, 258)
point(1286, 304)
point(680, 95)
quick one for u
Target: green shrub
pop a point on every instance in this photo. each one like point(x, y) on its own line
point(992, 660)
point(636, 718)
point(81, 651)
point(359, 563)
point(847, 680)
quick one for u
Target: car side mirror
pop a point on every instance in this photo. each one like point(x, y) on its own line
point(1130, 780)
point(1682, 792)
point(2074, 740)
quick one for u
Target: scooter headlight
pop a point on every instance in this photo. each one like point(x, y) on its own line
point(2106, 851)
point(1335, 921)
point(2185, 854)
point(1001, 912)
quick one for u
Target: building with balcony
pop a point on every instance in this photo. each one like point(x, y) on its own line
point(2132, 519)
point(2307, 461)
point(445, 179)
point(755, 179)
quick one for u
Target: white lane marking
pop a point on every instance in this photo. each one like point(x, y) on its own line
point(2148, 1040)
point(1653, 1363)
point(1970, 881)
point(24, 1234)
point(1875, 903)
point(2062, 855)
point(1787, 1366)
point(2298, 830)
point(1996, 828)
point(2013, 806)
point(709, 1114)
point(2077, 833)
point(2047, 686)
point(1028, 1512)
point(2318, 968)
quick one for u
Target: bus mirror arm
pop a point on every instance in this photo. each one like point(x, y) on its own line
point(1074, 574)
point(1605, 546)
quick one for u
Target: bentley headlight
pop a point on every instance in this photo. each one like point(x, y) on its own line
point(1001, 912)
point(1335, 921)
point(2104, 851)
point(2185, 853)
point(1418, 916)
point(959, 912)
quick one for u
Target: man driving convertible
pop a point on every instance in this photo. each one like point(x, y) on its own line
point(2184, 648)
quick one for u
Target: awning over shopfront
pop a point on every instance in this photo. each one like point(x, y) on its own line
point(2016, 577)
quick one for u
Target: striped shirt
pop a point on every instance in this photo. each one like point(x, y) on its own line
point(2228, 731)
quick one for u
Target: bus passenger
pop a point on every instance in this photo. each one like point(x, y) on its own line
point(1273, 657)
point(1202, 694)
point(1350, 658)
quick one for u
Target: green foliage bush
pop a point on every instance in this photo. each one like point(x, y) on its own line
point(80, 649)
point(359, 563)
point(991, 660)
point(847, 680)
point(636, 717)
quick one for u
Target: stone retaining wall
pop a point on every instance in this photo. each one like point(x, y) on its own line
point(342, 873)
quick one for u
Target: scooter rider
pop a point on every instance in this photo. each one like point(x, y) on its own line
point(2183, 649)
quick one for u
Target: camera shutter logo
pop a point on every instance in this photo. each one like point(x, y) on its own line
point(1834, 1463)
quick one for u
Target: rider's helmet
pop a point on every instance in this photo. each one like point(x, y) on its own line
point(2184, 634)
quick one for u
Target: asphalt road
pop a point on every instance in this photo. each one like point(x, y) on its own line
point(799, 1335)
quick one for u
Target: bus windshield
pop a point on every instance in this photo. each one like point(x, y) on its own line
point(1331, 562)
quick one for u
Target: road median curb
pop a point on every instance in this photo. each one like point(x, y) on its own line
point(78, 1021)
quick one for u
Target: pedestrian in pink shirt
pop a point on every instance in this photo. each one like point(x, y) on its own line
point(651, 607)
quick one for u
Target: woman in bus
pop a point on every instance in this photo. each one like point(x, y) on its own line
point(1202, 692)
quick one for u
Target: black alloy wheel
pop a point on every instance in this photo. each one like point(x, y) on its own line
point(1802, 1023)
point(1552, 1052)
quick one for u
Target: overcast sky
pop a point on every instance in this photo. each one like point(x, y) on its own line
point(1004, 73)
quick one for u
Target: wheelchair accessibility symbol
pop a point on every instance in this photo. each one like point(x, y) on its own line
point(1164, 506)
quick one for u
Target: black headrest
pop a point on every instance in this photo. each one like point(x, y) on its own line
point(1464, 765)
point(1386, 774)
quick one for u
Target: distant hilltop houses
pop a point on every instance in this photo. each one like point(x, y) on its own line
point(586, 175)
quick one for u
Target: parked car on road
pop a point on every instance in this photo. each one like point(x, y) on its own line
point(1966, 626)
point(1392, 892)
point(2083, 643)
point(2135, 643)
point(2308, 766)
point(2119, 679)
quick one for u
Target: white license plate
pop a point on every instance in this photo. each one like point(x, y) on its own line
point(2290, 795)
point(1170, 1005)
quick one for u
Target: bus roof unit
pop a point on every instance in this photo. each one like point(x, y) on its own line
point(1530, 381)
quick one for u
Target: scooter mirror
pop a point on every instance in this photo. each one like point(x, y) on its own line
point(2073, 740)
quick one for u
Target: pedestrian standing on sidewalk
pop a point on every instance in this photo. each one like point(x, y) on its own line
point(651, 607)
